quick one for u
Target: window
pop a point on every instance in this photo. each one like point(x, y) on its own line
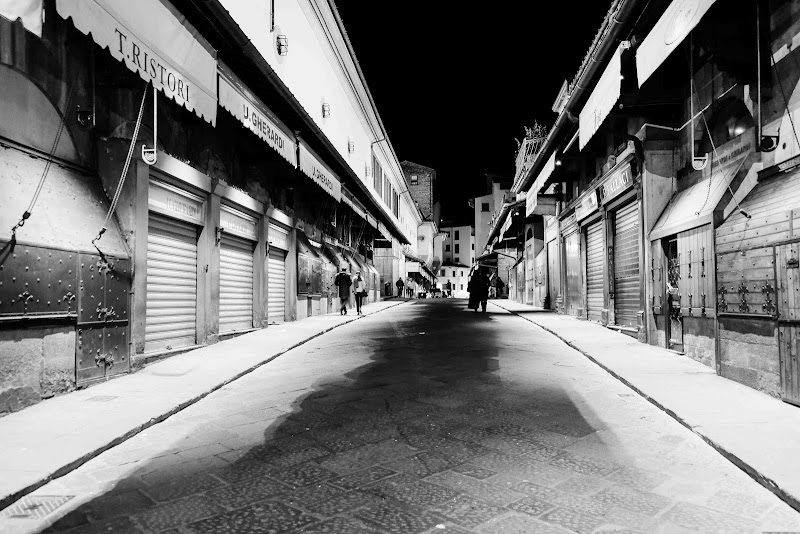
point(473, 246)
point(456, 247)
point(457, 261)
point(460, 273)
point(377, 174)
point(447, 248)
point(414, 179)
point(443, 273)
point(395, 203)
point(454, 272)
point(484, 206)
point(457, 236)
point(462, 287)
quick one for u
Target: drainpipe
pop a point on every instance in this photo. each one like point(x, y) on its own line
point(624, 10)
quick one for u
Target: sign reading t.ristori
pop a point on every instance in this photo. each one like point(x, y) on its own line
point(149, 39)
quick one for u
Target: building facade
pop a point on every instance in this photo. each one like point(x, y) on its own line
point(458, 244)
point(167, 191)
point(667, 204)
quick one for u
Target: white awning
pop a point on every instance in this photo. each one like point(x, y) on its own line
point(678, 20)
point(152, 39)
point(603, 98)
point(313, 167)
point(695, 206)
point(240, 101)
point(544, 174)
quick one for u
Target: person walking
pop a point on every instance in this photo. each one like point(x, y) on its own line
point(360, 289)
point(483, 290)
point(343, 282)
point(472, 289)
point(400, 286)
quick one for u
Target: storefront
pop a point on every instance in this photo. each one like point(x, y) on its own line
point(176, 217)
point(571, 237)
point(593, 228)
point(279, 235)
point(236, 269)
point(621, 203)
point(553, 296)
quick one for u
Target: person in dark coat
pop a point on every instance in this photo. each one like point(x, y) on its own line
point(400, 286)
point(343, 282)
point(478, 287)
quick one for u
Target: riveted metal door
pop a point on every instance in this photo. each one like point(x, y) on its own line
point(787, 266)
point(235, 284)
point(553, 273)
point(276, 287)
point(572, 243)
point(171, 313)
point(103, 293)
point(595, 256)
point(627, 292)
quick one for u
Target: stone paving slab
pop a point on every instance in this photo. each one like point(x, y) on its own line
point(759, 433)
point(132, 403)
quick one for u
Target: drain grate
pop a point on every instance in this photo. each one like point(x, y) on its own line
point(35, 506)
point(101, 398)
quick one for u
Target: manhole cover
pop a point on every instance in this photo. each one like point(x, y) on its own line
point(35, 506)
point(101, 398)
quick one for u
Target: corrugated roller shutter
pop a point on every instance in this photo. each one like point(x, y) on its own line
point(594, 271)
point(626, 266)
point(572, 242)
point(235, 284)
point(276, 290)
point(171, 313)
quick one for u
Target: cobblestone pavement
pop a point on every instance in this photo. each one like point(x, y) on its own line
point(426, 418)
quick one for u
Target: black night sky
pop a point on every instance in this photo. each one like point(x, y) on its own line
point(455, 82)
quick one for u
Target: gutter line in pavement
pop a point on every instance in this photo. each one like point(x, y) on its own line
point(60, 472)
point(765, 481)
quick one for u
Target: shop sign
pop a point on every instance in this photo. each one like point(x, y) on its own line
point(151, 40)
point(569, 223)
point(254, 115)
point(587, 206)
point(317, 171)
point(278, 237)
point(616, 184)
point(603, 98)
point(237, 223)
point(784, 166)
point(168, 200)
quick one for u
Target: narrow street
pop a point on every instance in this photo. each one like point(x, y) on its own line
point(424, 418)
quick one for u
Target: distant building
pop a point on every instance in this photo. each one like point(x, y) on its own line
point(453, 279)
point(458, 244)
point(420, 184)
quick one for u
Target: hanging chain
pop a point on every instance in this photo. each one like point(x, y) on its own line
point(49, 162)
point(121, 182)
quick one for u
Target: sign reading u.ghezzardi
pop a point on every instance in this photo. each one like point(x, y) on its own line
point(254, 115)
point(148, 37)
point(312, 167)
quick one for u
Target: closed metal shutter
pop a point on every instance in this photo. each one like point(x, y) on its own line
point(235, 284)
point(627, 293)
point(553, 273)
point(171, 312)
point(594, 272)
point(276, 289)
point(572, 243)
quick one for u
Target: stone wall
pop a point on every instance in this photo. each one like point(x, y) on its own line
point(748, 353)
point(35, 363)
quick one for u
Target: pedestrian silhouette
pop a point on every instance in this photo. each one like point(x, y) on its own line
point(343, 282)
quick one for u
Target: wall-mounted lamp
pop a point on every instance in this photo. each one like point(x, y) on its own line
point(282, 44)
point(558, 163)
point(769, 143)
point(351, 147)
point(326, 110)
point(85, 117)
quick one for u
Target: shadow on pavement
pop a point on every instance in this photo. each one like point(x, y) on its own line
point(384, 446)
